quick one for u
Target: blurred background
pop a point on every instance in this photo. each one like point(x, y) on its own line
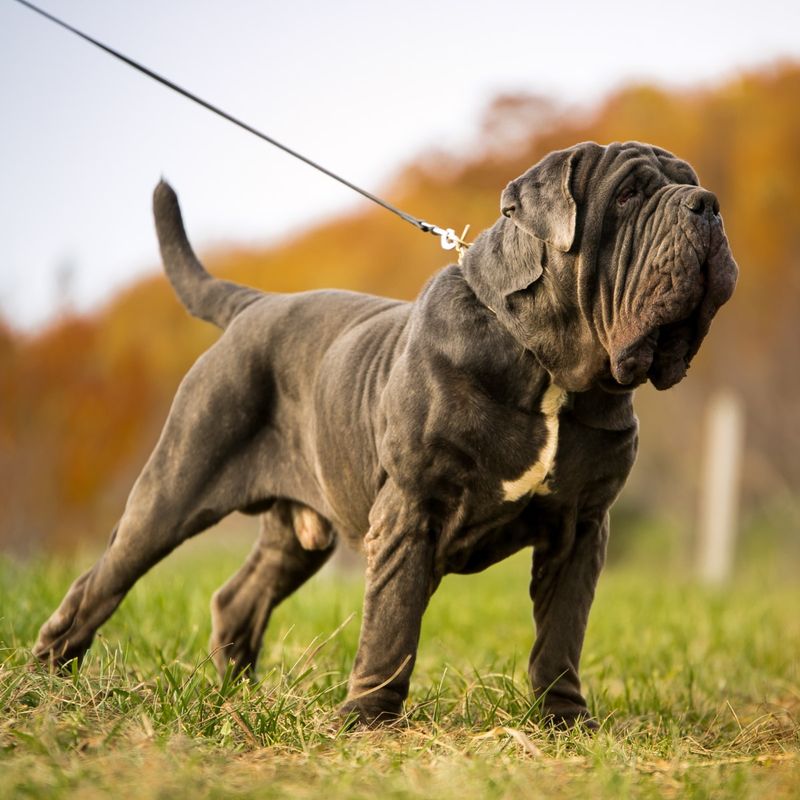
point(435, 106)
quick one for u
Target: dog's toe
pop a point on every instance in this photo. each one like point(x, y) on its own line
point(364, 714)
point(566, 721)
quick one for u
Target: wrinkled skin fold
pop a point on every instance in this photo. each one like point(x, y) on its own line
point(492, 414)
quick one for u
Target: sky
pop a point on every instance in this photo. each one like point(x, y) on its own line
point(361, 87)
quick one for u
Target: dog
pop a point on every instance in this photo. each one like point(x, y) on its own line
point(439, 436)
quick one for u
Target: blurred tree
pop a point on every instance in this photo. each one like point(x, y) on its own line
point(81, 403)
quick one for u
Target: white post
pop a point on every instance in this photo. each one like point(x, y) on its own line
point(719, 488)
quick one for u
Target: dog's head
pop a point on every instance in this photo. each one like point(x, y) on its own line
point(609, 263)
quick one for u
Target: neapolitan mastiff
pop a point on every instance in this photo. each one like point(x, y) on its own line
point(440, 436)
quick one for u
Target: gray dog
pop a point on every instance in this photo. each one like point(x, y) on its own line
point(440, 436)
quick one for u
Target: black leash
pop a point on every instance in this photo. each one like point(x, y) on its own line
point(449, 239)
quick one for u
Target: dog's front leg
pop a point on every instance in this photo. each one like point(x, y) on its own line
point(565, 573)
point(399, 583)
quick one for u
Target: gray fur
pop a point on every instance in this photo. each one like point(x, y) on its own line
point(205, 297)
point(394, 426)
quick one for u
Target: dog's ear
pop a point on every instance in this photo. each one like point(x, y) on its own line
point(501, 263)
point(540, 202)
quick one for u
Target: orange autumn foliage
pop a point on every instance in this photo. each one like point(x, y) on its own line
point(82, 401)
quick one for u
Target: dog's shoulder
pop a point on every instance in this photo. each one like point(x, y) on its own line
point(459, 367)
point(449, 324)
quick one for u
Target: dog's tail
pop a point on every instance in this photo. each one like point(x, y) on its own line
point(203, 295)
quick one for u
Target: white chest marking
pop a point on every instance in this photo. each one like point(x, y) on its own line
point(532, 480)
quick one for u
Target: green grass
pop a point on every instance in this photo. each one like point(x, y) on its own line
point(699, 691)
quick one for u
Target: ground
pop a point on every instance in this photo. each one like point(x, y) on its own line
point(698, 691)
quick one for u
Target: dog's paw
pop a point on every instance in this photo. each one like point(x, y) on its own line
point(67, 634)
point(57, 650)
point(362, 713)
point(57, 654)
point(580, 720)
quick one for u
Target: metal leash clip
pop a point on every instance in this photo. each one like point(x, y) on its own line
point(449, 239)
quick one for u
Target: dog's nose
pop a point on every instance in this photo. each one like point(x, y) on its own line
point(509, 200)
point(701, 199)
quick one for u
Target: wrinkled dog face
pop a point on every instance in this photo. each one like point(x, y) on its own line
point(626, 235)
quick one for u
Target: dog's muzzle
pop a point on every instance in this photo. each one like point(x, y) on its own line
point(663, 350)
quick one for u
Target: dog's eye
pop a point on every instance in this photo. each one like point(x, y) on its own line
point(625, 195)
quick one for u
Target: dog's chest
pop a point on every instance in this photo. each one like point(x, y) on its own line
point(534, 479)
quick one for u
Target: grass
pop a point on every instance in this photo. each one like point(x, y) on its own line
point(699, 691)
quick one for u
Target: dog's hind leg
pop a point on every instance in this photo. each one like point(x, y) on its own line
point(278, 564)
point(208, 462)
